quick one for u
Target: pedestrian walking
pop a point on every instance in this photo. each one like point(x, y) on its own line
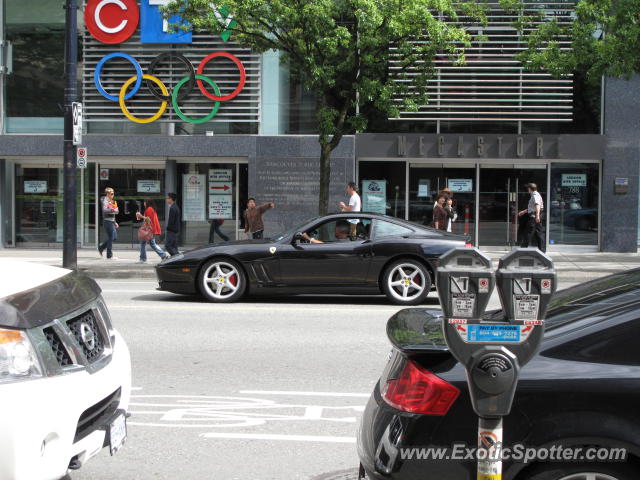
point(253, 224)
point(355, 205)
point(173, 225)
point(109, 212)
point(214, 228)
point(534, 230)
point(440, 217)
point(149, 229)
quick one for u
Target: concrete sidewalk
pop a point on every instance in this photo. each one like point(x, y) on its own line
point(572, 267)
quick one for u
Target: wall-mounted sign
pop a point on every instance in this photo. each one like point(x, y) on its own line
point(424, 188)
point(574, 179)
point(220, 175)
point(460, 185)
point(374, 196)
point(155, 29)
point(621, 185)
point(148, 186)
point(221, 207)
point(104, 174)
point(111, 21)
point(35, 186)
point(193, 191)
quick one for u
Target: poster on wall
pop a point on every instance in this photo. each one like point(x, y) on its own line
point(574, 179)
point(221, 207)
point(35, 186)
point(220, 175)
point(460, 185)
point(104, 174)
point(148, 186)
point(193, 191)
point(424, 188)
point(374, 196)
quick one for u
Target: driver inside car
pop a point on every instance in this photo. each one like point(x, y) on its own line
point(341, 233)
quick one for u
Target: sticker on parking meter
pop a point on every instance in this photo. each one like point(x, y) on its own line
point(483, 285)
point(545, 286)
point(493, 333)
point(526, 307)
point(462, 304)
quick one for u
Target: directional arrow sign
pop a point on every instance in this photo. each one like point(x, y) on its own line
point(220, 188)
point(76, 113)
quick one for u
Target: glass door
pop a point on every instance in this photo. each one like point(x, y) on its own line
point(427, 180)
point(502, 196)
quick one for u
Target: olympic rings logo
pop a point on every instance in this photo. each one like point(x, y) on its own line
point(194, 77)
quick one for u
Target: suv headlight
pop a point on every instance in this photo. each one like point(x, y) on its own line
point(18, 360)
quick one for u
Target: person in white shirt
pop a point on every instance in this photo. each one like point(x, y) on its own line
point(534, 211)
point(355, 205)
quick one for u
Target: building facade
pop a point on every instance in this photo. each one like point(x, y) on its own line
point(217, 124)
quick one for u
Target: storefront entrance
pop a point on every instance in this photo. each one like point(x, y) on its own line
point(502, 196)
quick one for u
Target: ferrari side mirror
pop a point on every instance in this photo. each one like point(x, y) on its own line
point(297, 237)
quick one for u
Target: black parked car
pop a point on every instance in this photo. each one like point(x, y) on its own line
point(355, 253)
point(582, 390)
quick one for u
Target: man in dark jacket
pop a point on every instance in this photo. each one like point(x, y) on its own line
point(173, 225)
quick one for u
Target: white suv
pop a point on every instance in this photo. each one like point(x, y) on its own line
point(65, 373)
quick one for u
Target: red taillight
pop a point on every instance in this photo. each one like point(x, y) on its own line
point(420, 391)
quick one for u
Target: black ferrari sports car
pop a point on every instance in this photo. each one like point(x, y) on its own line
point(579, 394)
point(354, 253)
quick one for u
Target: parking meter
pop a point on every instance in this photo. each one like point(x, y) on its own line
point(493, 348)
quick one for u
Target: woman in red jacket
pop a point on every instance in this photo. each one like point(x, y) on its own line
point(150, 216)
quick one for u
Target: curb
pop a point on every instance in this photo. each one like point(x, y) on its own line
point(121, 274)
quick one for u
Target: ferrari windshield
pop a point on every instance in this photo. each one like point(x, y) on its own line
point(293, 230)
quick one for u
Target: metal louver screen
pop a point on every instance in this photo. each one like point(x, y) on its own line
point(493, 85)
point(245, 107)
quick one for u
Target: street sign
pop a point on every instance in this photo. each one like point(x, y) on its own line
point(81, 157)
point(77, 122)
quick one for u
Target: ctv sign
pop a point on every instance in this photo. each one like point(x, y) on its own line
point(114, 21)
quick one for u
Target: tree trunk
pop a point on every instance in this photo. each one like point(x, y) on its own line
point(325, 178)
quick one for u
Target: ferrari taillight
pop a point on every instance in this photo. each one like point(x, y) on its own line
point(419, 391)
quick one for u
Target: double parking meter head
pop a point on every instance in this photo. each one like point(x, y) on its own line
point(494, 347)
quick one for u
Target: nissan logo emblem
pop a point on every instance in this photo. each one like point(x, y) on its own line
point(88, 336)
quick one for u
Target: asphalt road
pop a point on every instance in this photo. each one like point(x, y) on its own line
point(265, 389)
point(269, 388)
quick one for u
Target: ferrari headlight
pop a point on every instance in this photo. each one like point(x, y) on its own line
point(18, 360)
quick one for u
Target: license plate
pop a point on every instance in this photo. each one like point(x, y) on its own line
point(117, 433)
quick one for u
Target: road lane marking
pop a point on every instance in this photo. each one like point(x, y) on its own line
point(284, 438)
point(310, 394)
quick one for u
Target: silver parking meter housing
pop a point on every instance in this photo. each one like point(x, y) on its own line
point(494, 348)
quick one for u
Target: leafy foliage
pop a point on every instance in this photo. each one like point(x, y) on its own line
point(341, 51)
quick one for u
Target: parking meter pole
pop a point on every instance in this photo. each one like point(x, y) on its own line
point(493, 348)
point(490, 444)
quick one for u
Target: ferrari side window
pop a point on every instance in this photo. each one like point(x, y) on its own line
point(382, 229)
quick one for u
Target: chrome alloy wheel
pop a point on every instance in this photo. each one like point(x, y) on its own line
point(588, 476)
point(221, 280)
point(406, 282)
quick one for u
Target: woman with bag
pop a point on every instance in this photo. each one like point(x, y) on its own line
point(149, 228)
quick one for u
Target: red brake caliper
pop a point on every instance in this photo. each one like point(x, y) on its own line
point(418, 280)
point(233, 280)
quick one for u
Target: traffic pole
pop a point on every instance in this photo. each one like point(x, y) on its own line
point(69, 227)
point(467, 218)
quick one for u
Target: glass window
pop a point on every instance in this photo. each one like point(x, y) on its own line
point(341, 231)
point(35, 88)
point(384, 229)
point(383, 186)
point(574, 212)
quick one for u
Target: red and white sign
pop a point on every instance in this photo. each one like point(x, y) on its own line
point(545, 286)
point(111, 21)
point(483, 285)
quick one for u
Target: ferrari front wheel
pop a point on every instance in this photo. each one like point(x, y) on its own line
point(222, 280)
point(406, 282)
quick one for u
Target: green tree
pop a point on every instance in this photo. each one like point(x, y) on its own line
point(604, 38)
point(342, 51)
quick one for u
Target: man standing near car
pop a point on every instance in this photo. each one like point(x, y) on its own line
point(253, 224)
point(355, 205)
point(533, 228)
point(173, 225)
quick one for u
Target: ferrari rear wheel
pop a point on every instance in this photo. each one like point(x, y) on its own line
point(222, 280)
point(406, 282)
